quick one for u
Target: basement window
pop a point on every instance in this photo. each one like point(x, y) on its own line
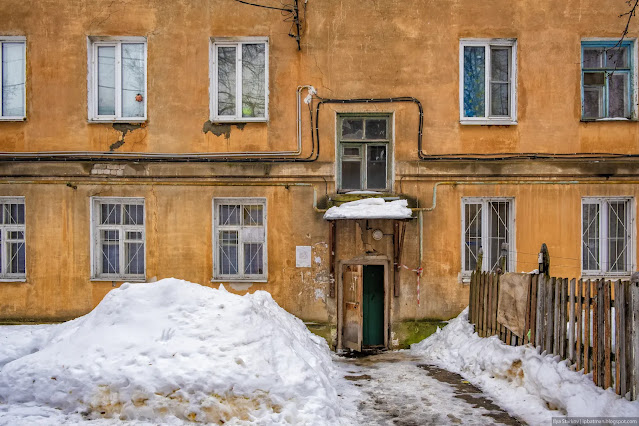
point(363, 152)
point(487, 223)
point(12, 239)
point(239, 234)
point(117, 79)
point(118, 236)
point(606, 236)
point(488, 81)
point(239, 79)
point(12, 95)
point(607, 80)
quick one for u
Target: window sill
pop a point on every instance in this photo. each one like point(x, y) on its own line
point(118, 279)
point(13, 118)
point(613, 119)
point(488, 122)
point(117, 120)
point(223, 120)
point(13, 280)
point(623, 276)
point(238, 280)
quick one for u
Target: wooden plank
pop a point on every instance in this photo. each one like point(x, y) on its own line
point(476, 302)
point(470, 297)
point(579, 318)
point(607, 344)
point(509, 337)
point(562, 316)
point(597, 334)
point(635, 338)
point(630, 378)
point(550, 314)
point(480, 303)
point(492, 306)
point(620, 349)
point(482, 319)
point(539, 323)
point(587, 326)
point(532, 305)
point(571, 321)
point(527, 314)
point(556, 317)
point(495, 322)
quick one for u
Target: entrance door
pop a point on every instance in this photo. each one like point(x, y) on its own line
point(352, 277)
point(373, 306)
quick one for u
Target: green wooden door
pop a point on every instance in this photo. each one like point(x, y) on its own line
point(373, 306)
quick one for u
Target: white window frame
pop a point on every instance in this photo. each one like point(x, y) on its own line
point(603, 234)
point(240, 276)
point(634, 84)
point(23, 40)
point(96, 275)
point(236, 42)
point(487, 119)
point(4, 228)
point(512, 251)
point(92, 81)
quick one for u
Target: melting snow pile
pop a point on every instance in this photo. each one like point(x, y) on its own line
point(526, 383)
point(370, 208)
point(177, 350)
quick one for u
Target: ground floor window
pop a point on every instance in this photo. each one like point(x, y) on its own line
point(606, 236)
point(239, 236)
point(118, 237)
point(12, 242)
point(487, 224)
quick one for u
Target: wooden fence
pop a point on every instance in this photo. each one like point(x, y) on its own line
point(591, 323)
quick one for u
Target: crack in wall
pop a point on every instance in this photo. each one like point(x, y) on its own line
point(123, 128)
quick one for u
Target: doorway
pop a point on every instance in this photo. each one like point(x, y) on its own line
point(363, 317)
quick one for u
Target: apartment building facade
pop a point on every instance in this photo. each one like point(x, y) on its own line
point(204, 140)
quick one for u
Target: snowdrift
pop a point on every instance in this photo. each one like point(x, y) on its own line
point(174, 349)
point(525, 382)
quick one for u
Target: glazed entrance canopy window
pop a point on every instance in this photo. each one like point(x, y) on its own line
point(364, 146)
point(606, 79)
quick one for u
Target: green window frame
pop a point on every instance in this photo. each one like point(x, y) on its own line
point(364, 151)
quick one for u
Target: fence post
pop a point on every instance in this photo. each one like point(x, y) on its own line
point(544, 260)
point(634, 311)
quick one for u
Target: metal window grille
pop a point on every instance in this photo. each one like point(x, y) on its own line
point(119, 235)
point(240, 239)
point(606, 235)
point(12, 239)
point(487, 224)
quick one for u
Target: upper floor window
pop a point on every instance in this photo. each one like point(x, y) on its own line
point(239, 234)
point(488, 81)
point(487, 223)
point(606, 235)
point(118, 236)
point(239, 79)
point(12, 95)
point(117, 79)
point(12, 239)
point(607, 79)
point(363, 152)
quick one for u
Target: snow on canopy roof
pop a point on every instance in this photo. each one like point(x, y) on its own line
point(370, 208)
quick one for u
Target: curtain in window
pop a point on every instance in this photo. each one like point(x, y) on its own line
point(474, 81)
point(13, 79)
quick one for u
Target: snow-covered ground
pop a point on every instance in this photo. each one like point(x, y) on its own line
point(526, 383)
point(169, 352)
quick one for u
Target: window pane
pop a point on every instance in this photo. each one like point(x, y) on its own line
point(133, 214)
point(593, 58)
point(351, 172)
point(617, 237)
point(229, 214)
point(474, 81)
point(1, 248)
point(499, 99)
point(376, 167)
point(253, 80)
point(133, 80)
point(352, 151)
point(253, 215)
point(16, 258)
point(352, 128)
point(134, 255)
point(618, 95)
point(228, 262)
point(593, 102)
point(110, 251)
point(472, 235)
point(106, 80)
point(590, 237)
point(134, 236)
point(498, 232)
point(13, 214)
point(226, 84)
point(110, 214)
point(375, 129)
point(500, 64)
point(13, 79)
point(617, 57)
point(253, 263)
